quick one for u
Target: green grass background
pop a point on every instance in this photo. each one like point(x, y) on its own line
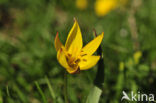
point(27, 53)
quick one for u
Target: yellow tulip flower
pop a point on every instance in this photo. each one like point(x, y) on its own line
point(81, 4)
point(73, 56)
point(102, 7)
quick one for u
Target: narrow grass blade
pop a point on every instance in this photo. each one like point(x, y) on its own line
point(51, 89)
point(7, 90)
point(20, 94)
point(1, 98)
point(41, 92)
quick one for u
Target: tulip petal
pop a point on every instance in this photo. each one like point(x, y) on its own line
point(74, 40)
point(92, 46)
point(88, 62)
point(58, 43)
point(62, 58)
point(63, 61)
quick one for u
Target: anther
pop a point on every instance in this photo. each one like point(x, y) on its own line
point(77, 61)
point(83, 54)
point(84, 60)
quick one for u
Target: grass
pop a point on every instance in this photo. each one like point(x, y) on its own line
point(30, 72)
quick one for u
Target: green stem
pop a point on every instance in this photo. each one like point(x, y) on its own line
point(65, 88)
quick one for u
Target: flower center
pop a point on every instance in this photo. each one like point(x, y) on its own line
point(72, 61)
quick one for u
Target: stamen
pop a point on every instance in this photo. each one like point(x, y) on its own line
point(61, 49)
point(73, 65)
point(67, 59)
point(77, 61)
point(69, 55)
point(84, 60)
point(83, 55)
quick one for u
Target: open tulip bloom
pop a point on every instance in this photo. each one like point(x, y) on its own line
point(73, 56)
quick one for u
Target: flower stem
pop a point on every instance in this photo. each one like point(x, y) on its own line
point(65, 88)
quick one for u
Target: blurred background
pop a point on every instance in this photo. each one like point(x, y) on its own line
point(27, 53)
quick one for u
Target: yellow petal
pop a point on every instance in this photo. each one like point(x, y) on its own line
point(61, 56)
point(88, 62)
point(58, 43)
point(74, 40)
point(92, 46)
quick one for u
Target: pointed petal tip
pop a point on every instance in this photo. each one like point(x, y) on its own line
point(101, 36)
point(102, 33)
point(93, 45)
point(56, 36)
point(75, 19)
point(74, 41)
point(57, 41)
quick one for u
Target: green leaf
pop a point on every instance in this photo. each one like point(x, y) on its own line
point(94, 95)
